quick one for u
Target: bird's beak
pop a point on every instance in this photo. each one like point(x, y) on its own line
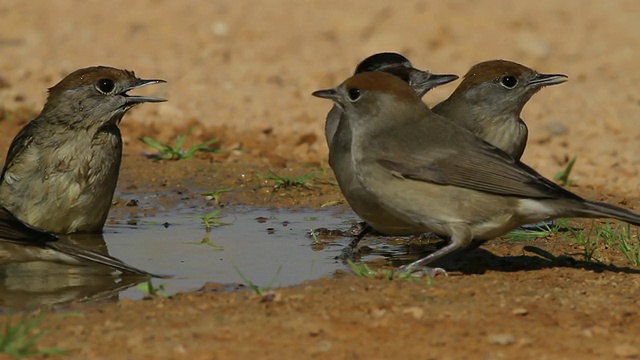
point(330, 94)
point(437, 80)
point(541, 80)
point(136, 99)
point(425, 81)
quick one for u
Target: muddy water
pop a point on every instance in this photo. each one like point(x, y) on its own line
point(265, 246)
point(254, 242)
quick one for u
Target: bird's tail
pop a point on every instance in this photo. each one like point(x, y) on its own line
point(91, 256)
point(594, 209)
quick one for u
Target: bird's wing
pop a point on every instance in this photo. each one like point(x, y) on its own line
point(475, 165)
point(19, 143)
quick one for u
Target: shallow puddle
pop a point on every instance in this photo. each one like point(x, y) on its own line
point(269, 247)
point(264, 245)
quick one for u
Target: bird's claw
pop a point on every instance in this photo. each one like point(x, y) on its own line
point(539, 226)
point(348, 253)
point(429, 271)
point(432, 272)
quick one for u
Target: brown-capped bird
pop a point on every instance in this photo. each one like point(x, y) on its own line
point(442, 178)
point(62, 168)
point(338, 135)
point(489, 101)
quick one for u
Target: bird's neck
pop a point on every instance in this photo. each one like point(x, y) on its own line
point(78, 119)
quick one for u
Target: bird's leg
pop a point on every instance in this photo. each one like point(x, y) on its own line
point(459, 240)
point(473, 245)
point(349, 252)
point(539, 226)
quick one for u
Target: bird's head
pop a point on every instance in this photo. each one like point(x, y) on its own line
point(96, 96)
point(398, 65)
point(502, 86)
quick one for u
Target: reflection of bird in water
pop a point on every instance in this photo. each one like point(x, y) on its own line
point(35, 271)
point(33, 285)
point(20, 242)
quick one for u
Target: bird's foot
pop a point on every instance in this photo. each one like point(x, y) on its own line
point(348, 253)
point(429, 271)
point(539, 226)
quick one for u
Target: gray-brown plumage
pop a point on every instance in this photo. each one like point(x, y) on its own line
point(489, 101)
point(392, 63)
point(20, 242)
point(62, 168)
point(338, 135)
point(439, 176)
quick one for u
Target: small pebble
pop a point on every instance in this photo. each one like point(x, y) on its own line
point(520, 311)
point(556, 128)
point(219, 28)
point(533, 45)
point(414, 311)
point(627, 351)
point(501, 339)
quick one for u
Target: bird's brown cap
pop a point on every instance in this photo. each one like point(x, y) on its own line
point(500, 70)
point(107, 80)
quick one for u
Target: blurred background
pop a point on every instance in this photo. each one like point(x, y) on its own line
point(244, 70)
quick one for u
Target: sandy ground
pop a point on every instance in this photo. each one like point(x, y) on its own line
point(243, 71)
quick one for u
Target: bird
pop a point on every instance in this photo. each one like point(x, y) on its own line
point(489, 101)
point(61, 169)
point(396, 64)
point(21, 242)
point(440, 177)
point(338, 135)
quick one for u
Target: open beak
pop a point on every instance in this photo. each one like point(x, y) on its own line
point(547, 79)
point(136, 99)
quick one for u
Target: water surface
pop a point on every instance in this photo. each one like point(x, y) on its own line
point(267, 246)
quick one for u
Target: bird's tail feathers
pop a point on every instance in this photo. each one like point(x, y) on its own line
point(598, 209)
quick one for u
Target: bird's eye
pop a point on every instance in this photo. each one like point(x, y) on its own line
point(105, 85)
point(354, 94)
point(509, 81)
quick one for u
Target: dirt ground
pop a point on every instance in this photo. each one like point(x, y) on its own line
point(242, 71)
